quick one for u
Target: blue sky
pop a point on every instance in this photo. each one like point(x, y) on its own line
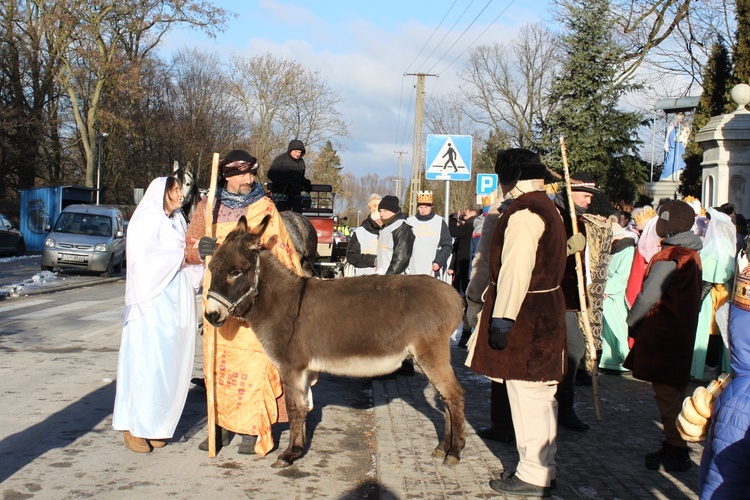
point(363, 48)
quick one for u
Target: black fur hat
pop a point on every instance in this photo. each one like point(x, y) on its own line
point(513, 165)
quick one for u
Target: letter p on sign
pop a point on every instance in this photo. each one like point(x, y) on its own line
point(486, 183)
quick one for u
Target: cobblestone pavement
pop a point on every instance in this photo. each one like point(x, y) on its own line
point(386, 447)
point(606, 462)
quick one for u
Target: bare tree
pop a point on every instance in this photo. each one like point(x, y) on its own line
point(356, 191)
point(206, 116)
point(505, 84)
point(282, 100)
point(105, 45)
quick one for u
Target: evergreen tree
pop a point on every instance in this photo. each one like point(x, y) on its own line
point(741, 56)
point(585, 97)
point(326, 168)
point(713, 102)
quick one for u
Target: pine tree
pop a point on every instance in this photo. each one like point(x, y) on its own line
point(741, 56)
point(585, 98)
point(326, 168)
point(713, 102)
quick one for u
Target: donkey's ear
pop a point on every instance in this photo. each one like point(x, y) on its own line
point(241, 225)
point(261, 228)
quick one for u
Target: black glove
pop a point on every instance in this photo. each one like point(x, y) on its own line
point(499, 332)
point(206, 246)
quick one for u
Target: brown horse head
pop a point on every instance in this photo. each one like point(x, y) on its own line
point(235, 270)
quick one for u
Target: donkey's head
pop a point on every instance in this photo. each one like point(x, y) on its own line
point(235, 271)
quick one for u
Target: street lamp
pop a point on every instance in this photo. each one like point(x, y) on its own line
point(99, 138)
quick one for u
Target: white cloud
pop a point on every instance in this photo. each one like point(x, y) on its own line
point(363, 61)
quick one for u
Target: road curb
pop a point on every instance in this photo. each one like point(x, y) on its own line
point(71, 286)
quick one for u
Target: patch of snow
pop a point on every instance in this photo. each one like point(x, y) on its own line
point(37, 281)
point(22, 257)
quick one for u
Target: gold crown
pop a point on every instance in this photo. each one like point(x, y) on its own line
point(486, 201)
point(424, 197)
point(643, 216)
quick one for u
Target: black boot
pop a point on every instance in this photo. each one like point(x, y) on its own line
point(669, 458)
point(493, 434)
point(223, 438)
point(464, 340)
point(566, 414)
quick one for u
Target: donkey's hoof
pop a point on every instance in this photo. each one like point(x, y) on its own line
point(281, 462)
point(438, 452)
point(451, 460)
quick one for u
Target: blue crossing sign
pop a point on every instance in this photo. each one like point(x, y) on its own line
point(486, 183)
point(448, 157)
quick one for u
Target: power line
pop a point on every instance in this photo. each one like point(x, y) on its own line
point(461, 35)
point(433, 34)
point(480, 35)
point(448, 33)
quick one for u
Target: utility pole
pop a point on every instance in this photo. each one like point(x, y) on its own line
point(416, 159)
point(399, 178)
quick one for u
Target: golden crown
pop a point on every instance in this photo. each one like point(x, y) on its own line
point(486, 201)
point(646, 214)
point(424, 197)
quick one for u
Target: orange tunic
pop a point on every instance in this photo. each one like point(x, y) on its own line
point(249, 391)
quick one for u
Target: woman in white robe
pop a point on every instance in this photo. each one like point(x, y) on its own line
point(158, 338)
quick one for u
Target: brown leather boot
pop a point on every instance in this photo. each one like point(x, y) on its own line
point(157, 443)
point(136, 444)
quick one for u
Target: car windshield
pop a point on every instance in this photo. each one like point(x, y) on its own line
point(82, 223)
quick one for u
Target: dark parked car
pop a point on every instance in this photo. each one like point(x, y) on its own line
point(11, 239)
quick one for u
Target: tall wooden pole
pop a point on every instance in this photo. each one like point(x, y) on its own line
point(210, 330)
point(416, 158)
point(581, 285)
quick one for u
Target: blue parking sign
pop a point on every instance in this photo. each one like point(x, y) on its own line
point(486, 183)
point(448, 157)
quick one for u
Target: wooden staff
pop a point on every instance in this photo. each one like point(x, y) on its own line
point(208, 329)
point(581, 286)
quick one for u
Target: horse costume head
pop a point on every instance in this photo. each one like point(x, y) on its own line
point(189, 189)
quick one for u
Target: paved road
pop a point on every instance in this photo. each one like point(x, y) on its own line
point(369, 439)
point(59, 357)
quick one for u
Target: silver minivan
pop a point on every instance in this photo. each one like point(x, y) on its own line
point(86, 237)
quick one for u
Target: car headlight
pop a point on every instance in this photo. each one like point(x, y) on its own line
point(100, 247)
point(49, 242)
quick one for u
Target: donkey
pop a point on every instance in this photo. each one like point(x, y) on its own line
point(359, 327)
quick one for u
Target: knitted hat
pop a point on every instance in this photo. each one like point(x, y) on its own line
point(513, 165)
point(389, 202)
point(581, 181)
point(238, 162)
point(674, 217)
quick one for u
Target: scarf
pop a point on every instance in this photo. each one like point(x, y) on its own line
point(237, 200)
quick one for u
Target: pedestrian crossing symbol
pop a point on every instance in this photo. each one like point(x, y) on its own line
point(448, 157)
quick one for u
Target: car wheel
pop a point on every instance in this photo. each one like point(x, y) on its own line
point(110, 268)
point(47, 268)
point(118, 267)
point(21, 248)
